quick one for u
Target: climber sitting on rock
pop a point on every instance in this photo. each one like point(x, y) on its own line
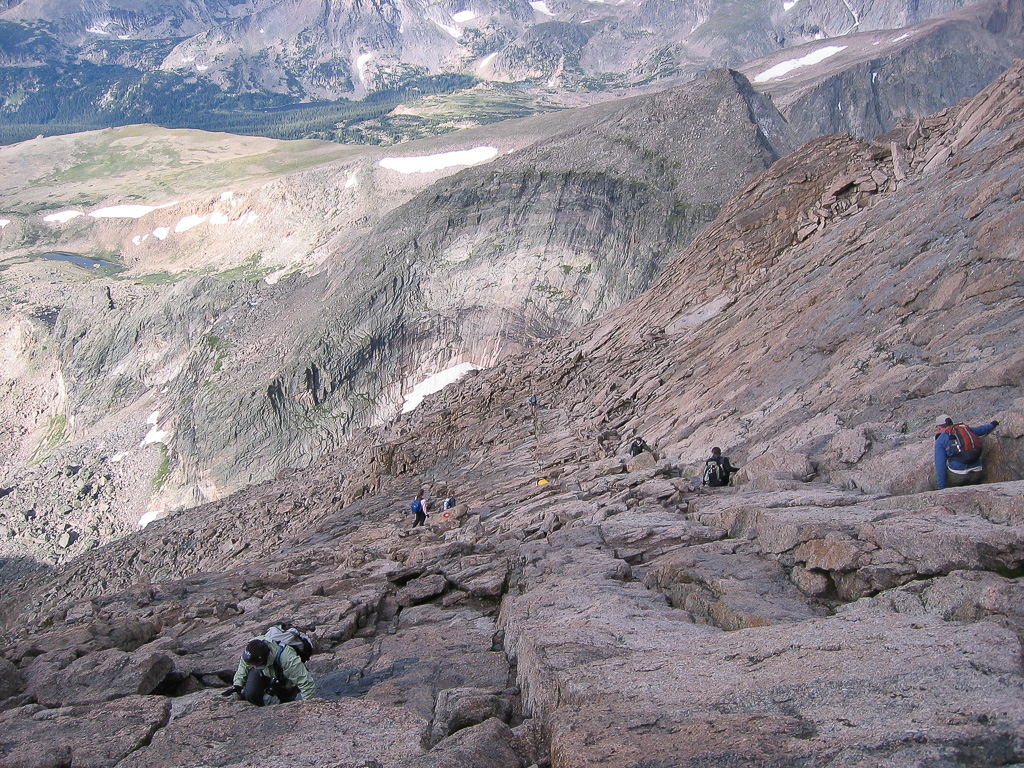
point(958, 451)
point(717, 469)
point(271, 668)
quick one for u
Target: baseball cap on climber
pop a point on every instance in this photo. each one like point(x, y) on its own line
point(256, 653)
point(943, 420)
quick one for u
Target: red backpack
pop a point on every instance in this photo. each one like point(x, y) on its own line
point(968, 446)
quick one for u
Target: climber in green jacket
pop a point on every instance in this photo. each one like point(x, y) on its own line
point(267, 667)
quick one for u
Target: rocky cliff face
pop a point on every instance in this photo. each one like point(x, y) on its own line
point(879, 76)
point(576, 215)
point(578, 608)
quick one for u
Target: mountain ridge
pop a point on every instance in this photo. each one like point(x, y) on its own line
point(180, 65)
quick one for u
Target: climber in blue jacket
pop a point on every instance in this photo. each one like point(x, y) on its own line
point(958, 450)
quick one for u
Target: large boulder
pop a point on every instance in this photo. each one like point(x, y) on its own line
point(458, 708)
point(491, 744)
point(98, 677)
point(211, 730)
point(11, 681)
point(91, 736)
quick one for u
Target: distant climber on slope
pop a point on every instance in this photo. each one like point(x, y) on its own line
point(958, 451)
point(717, 469)
point(638, 446)
point(419, 508)
point(272, 667)
point(533, 405)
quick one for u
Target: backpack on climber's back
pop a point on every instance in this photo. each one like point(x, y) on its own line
point(714, 475)
point(284, 634)
point(417, 507)
point(968, 446)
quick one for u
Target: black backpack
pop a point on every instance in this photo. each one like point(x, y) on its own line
point(714, 475)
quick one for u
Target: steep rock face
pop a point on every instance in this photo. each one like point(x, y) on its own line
point(497, 257)
point(604, 234)
point(582, 608)
point(837, 20)
point(882, 77)
point(266, 403)
point(914, 277)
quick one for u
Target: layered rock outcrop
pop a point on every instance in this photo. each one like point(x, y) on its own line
point(583, 608)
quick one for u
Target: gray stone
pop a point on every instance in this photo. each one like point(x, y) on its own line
point(422, 589)
point(11, 681)
point(459, 708)
point(491, 743)
point(641, 461)
point(93, 736)
point(219, 731)
point(97, 677)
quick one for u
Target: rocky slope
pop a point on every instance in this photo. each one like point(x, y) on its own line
point(580, 609)
point(531, 245)
point(133, 395)
point(467, 271)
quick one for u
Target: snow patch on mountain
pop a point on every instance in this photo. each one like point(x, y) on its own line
point(63, 217)
point(453, 31)
point(361, 62)
point(484, 62)
point(149, 517)
point(128, 211)
point(436, 383)
point(155, 434)
point(429, 163)
point(804, 61)
point(188, 222)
